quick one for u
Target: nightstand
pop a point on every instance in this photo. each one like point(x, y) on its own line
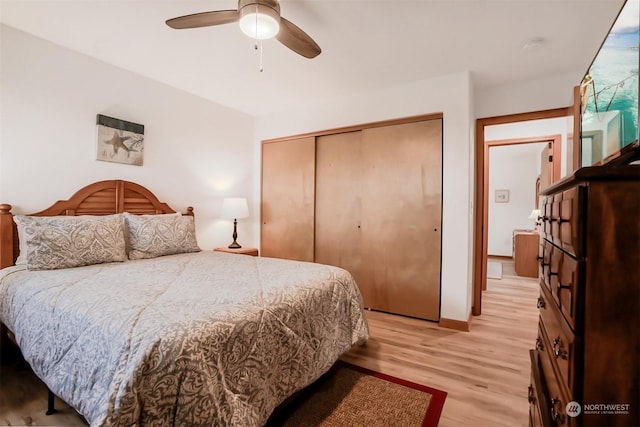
point(242, 251)
point(526, 244)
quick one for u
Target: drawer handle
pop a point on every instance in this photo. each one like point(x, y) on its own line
point(541, 303)
point(556, 415)
point(560, 353)
point(531, 397)
point(539, 345)
point(557, 349)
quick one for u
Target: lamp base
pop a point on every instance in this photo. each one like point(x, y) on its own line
point(235, 244)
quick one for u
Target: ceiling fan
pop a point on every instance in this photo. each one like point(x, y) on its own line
point(259, 19)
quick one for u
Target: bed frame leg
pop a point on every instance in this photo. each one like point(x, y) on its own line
point(50, 403)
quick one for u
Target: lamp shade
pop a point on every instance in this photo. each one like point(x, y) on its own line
point(259, 21)
point(234, 207)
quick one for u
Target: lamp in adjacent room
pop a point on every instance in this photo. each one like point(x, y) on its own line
point(234, 207)
point(535, 214)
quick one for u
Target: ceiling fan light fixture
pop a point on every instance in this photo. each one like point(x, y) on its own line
point(259, 21)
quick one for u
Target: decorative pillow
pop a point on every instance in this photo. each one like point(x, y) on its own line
point(152, 236)
point(22, 240)
point(72, 241)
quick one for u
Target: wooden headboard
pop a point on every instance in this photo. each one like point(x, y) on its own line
point(100, 198)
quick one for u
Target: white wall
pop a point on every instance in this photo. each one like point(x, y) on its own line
point(514, 168)
point(535, 95)
point(562, 126)
point(451, 95)
point(196, 151)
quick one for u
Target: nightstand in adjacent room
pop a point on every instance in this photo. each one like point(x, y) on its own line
point(526, 244)
point(242, 251)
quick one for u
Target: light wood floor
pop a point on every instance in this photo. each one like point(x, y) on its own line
point(485, 372)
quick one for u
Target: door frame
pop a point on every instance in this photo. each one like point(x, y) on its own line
point(482, 182)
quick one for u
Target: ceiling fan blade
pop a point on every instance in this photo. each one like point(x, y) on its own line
point(297, 40)
point(204, 19)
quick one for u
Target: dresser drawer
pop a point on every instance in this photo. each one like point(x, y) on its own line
point(554, 218)
point(549, 268)
point(553, 272)
point(560, 274)
point(535, 413)
point(567, 287)
point(545, 217)
point(562, 221)
point(557, 399)
point(570, 220)
point(558, 341)
point(544, 266)
point(539, 412)
point(550, 218)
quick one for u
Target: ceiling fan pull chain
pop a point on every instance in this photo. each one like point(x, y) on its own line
point(261, 51)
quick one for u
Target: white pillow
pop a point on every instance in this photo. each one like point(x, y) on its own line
point(71, 241)
point(22, 241)
point(151, 236)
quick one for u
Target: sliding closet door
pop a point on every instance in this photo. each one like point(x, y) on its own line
point(288, 181)
point(401, 218)
point(338, 207)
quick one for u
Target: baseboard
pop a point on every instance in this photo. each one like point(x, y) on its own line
point(458, 325)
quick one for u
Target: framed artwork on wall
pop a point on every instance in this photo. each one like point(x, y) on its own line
point(119, 141)
point(502, 196)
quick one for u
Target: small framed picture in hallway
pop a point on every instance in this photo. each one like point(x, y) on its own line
point(502, 196)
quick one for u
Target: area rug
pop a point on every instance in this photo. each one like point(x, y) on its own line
point(349, 395)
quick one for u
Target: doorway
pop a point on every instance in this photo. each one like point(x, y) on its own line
point(514, 168)
point(482, 190)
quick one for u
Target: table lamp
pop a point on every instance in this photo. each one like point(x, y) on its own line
point(234, 207)
point(535, 214)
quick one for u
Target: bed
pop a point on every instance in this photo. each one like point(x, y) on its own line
point(171, 337)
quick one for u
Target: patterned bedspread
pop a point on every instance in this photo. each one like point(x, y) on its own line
point(206, 338)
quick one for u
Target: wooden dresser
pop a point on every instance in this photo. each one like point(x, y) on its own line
point(585, 365)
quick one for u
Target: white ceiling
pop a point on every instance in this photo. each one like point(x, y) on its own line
point(366, 44)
